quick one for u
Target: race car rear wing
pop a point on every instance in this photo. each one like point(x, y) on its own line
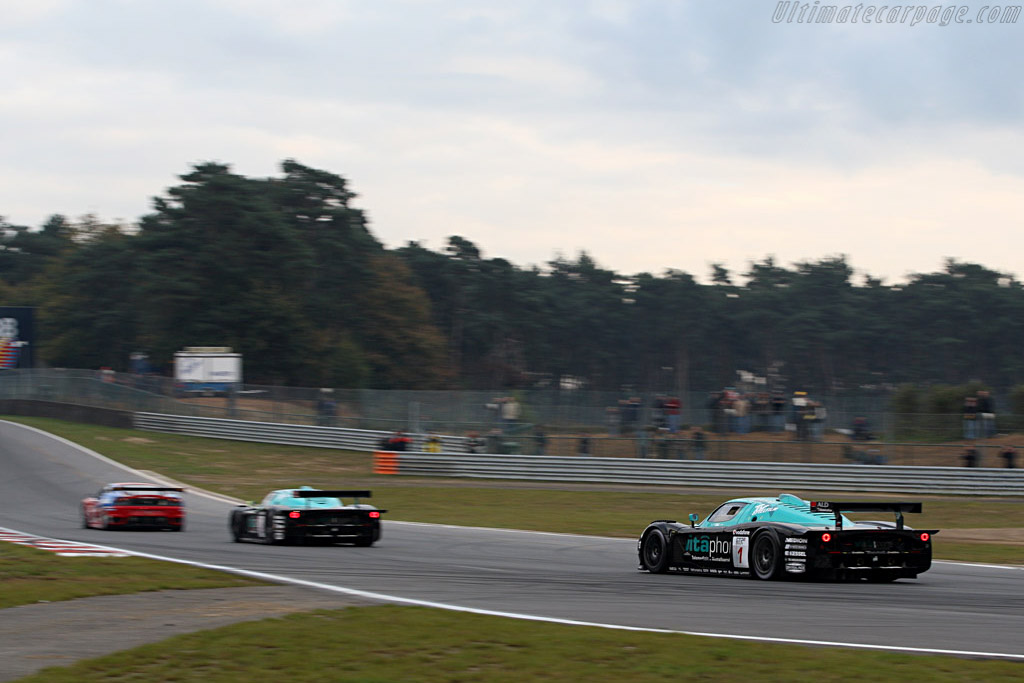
point(149, 489)
point(313, 493)
point(838, 508)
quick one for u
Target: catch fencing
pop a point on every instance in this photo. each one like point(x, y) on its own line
point(561, 413)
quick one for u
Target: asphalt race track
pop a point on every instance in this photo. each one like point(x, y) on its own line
point(953, 607)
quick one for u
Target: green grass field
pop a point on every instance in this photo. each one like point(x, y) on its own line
point(410, 644)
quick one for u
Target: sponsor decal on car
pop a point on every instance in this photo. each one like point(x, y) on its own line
point(708, 548)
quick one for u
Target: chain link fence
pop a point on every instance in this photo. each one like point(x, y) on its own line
point(546, 421)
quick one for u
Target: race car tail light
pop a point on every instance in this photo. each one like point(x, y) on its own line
point(826, 538)
point(925, 536)
point(374, 515)
point(294, 514)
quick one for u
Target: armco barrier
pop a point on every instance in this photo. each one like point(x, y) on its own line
point(454, 463)
point(772, 476)
point(287, 434)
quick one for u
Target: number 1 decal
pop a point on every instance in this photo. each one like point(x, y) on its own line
point(739, 552)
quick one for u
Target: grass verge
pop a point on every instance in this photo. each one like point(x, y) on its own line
point(29, 575)
point(413, 644)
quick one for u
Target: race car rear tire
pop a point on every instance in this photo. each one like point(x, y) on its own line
point(765, 558)
point(367, 541)
point(654, 552)
point(85, 520)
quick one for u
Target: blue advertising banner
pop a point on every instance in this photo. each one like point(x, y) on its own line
point(17, 337)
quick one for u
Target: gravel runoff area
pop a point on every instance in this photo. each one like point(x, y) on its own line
point(33, 637)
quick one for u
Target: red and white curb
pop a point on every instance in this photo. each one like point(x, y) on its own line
point(64, 548)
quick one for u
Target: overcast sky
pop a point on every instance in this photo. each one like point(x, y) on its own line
point(652, 134)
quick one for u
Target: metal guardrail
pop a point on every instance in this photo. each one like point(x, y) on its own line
point(455, 462)
point(781, 476)
point(286, 434)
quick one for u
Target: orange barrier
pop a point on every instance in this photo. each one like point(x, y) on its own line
point(385, 463)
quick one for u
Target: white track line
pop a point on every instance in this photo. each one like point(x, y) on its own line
point(384, 597)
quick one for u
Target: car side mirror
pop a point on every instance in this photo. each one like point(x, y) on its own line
point(693, 519)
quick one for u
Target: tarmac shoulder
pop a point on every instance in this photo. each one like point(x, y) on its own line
point(33, 637)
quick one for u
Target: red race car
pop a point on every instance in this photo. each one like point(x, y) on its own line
point(135, 506)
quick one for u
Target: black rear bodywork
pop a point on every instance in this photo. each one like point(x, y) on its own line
point(357, 523)
point(876, 551)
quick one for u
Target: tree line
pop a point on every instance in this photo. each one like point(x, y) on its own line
point(286, 271)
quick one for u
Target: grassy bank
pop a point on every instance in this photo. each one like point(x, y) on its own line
point(389, 643)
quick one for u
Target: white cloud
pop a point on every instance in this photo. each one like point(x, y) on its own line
point(652, 133)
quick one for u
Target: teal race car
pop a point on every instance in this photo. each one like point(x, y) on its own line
point(306, 515)
point(773, 538)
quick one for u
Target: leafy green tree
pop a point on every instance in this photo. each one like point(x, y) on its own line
point(25, 254)
point(400, 343)
point(90, 316)
point(316, 206)
point(220, 266)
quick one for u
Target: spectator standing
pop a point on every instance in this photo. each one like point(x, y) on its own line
point(971, 417)
point(970, 457)
point(583, 448)
point(778, 412)
point(820, 416)
point(800, 416)
point(761, 407)
point(510, 411)
point(741, 406)
point(658, 417)
point(1009, 456)
point(986, 411)
point(716, 405)
point(433, 444)
point(612, 419)
point(697, 443)
point(540, 439)
point(860, 431)
point(326, 408)
point(673, 413)
point(631, 415)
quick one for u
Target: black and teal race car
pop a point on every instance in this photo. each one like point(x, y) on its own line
point(772, 538)
point(307, 515)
